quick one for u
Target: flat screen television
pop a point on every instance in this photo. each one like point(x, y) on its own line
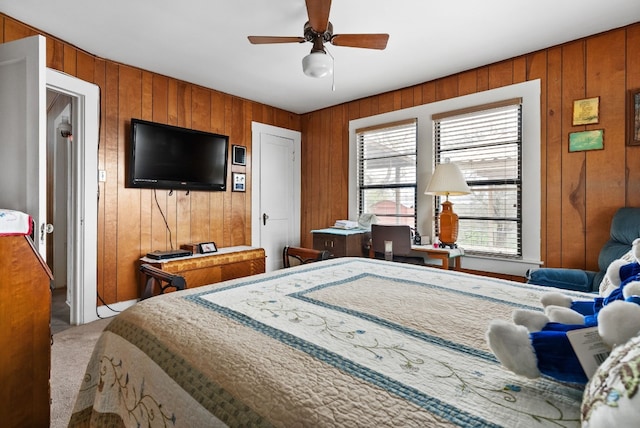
point(174, 158)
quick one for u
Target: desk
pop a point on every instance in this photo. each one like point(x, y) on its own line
point(341, 242)
point(443, 254)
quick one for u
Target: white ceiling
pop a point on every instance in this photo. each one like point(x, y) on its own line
point(205, 41)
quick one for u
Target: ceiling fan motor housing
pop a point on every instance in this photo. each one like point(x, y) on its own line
point(318, 39)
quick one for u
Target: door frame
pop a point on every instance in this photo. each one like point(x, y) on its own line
point(83, 221)
point(256, 168)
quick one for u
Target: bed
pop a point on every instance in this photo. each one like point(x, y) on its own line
point(342, 342)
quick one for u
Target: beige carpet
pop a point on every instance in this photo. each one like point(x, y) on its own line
point(70, 354)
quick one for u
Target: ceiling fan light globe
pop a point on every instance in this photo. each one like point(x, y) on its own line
point(317, 64)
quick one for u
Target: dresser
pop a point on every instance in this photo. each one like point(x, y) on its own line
point(341, 242)
point(25, 334)
point(202, 269)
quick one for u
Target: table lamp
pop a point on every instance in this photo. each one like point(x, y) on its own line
point(448, 180)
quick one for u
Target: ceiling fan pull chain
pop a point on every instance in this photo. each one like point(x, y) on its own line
point(333, 66)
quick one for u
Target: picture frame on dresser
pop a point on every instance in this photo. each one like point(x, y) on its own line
point(208, 247)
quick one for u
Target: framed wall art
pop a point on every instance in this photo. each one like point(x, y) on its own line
point(586, 111)
point(633, 118)
point(586, 140)
point(239, 155)
point(238, 181)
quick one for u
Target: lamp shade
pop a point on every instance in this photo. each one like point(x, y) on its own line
point(317, 64)
point(447, 180)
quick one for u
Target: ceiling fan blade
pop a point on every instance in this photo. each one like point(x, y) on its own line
point(318, 12)
point(368, 41)
point(261, 40)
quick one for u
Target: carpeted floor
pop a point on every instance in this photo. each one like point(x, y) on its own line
point(70, 353)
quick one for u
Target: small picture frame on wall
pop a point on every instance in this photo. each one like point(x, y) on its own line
point(239, 155)
point(586, 111)
point(586, 140)
point(208, 247)
point(633, 118)
point(239, 179)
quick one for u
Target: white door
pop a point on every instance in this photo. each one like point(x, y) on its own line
point(23, 137)
point(24, 80)
point(276, 191)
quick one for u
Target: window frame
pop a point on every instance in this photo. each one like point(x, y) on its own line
point(530, 93)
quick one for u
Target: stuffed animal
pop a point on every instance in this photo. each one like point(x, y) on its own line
point(561, 308)
point(536, 343)
point(547, 351)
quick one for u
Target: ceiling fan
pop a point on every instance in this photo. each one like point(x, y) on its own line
point(319, 30)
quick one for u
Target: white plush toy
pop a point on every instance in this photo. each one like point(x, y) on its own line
point(536, 343)
point(561, 308)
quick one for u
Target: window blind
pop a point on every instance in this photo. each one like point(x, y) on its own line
point(387, 172)
point(486, 143)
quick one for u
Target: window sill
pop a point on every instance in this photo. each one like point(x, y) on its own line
point(497, 265)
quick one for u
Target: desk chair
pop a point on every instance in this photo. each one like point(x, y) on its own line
point(400, 235)
point(294, 256)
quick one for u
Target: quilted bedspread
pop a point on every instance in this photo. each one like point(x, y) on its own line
point(345, 342)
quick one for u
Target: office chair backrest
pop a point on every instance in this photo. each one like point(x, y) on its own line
point(399, 234)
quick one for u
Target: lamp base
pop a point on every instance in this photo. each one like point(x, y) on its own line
point(448, 225)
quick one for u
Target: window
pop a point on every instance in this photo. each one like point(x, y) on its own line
point(486, 143)
point(530, 188)
point(387, 172)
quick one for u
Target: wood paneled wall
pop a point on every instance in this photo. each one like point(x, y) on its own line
point(130, 223)
point(580, 191)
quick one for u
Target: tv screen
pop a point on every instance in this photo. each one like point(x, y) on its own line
point(173, 158)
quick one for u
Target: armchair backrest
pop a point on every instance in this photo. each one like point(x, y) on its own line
point(399, 234)
point(625, 228)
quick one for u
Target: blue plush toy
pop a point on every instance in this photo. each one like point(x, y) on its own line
point(537, 344)
point(561, 308)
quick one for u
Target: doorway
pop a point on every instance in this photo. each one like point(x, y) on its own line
point(75, 192)
point(275, 190)
point(59, 138)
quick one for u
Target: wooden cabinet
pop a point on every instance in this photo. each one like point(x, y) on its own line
point(203, 269)
point(25, 334)
point(340, 243)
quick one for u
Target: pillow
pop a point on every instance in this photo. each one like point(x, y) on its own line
point(606, 286)
point(612, 396)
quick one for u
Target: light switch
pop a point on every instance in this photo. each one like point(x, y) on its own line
point(102, 175)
